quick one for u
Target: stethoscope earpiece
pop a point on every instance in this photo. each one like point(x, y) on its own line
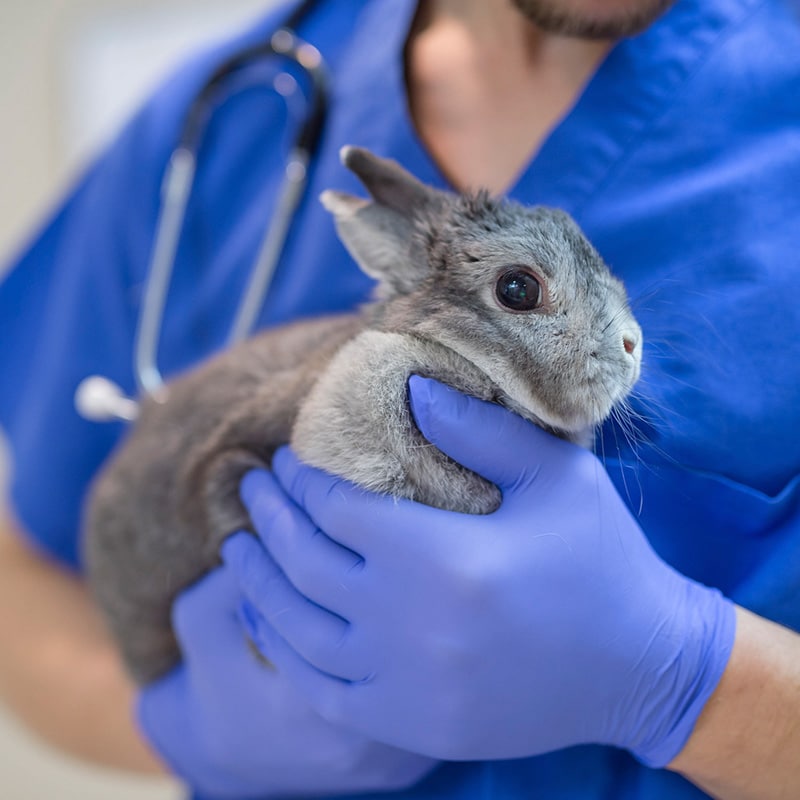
point(98, 399)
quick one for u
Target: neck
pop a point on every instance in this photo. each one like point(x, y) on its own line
point(486, 86)
point(498, 27)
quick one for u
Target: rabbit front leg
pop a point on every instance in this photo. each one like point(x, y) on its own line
point(246, 439)
point(356, 422)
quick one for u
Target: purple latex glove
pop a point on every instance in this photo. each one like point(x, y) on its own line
point(232, 727)
point(548, 623)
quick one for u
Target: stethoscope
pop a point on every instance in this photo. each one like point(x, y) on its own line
point(99, 399)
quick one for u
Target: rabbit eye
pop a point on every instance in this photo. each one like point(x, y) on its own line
point(519, 290)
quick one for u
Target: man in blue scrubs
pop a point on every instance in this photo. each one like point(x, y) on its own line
point(678, 151)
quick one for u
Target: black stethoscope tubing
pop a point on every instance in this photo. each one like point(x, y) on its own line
point(99, 399)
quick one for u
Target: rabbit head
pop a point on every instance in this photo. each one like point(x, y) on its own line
point(519, 292)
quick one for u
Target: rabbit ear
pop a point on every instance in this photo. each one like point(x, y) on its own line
point(388, 183)
point(379, 239)
point(380, 233)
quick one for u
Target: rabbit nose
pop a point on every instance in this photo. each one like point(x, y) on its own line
point(629, 343)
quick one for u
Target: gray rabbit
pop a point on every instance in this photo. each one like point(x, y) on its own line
point(506, 303)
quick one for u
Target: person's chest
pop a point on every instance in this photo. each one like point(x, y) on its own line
point(683, 227)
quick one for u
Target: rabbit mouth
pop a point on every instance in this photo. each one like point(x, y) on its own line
point(561, 414)
point(565, 408)
point(568, 411)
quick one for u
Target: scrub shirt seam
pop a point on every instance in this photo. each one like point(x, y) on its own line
point(634, 143)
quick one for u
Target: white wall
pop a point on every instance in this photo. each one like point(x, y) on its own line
point(71, 71)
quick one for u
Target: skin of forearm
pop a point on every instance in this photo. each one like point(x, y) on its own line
point(61, 675)
point(59, 671)
point(746, 744)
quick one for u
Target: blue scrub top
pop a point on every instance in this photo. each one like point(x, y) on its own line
point(681, 160)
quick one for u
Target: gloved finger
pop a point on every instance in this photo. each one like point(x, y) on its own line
point(371, 525)
point(318, 567)
point(346, 513)
point(484, 437)
point(207, 611)
point(325, 693)
point(264, 499)
point(318, 635)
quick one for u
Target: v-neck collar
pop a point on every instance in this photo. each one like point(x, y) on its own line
point(631, 89)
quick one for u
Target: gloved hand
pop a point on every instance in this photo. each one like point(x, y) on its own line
point(233, 727)
point(548, 623)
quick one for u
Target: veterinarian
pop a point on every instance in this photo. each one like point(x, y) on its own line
point(622, 627)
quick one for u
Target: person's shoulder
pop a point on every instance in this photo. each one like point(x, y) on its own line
point(757, 58)
point(328, 24)
point(739, 92)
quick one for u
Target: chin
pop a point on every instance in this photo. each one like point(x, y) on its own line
point(593, 19)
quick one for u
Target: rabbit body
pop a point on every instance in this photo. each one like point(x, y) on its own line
point(508, 304)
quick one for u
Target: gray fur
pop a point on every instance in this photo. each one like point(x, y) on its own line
point(336, 388)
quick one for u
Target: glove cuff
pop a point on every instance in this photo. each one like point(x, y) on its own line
point(704, 642)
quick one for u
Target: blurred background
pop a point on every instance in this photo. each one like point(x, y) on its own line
point(73, 72)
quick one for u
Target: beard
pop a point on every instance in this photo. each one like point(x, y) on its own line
point(561, 18)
